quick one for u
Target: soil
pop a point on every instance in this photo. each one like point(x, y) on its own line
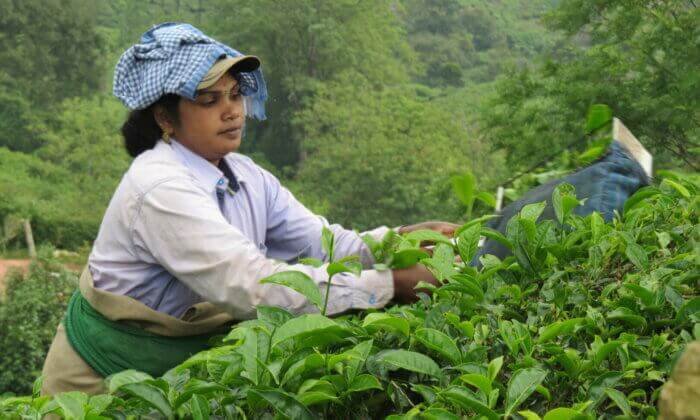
point(6, 265)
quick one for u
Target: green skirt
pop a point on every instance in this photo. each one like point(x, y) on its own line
point(110, 347)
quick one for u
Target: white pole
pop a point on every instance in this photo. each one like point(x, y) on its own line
point(499, 198)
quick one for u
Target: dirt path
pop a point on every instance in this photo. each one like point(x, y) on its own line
point(6, 265)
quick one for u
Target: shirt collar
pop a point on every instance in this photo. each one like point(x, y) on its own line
point(209, 175)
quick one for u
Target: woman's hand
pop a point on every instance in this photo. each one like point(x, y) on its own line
point(406, 279)
point(446, 228)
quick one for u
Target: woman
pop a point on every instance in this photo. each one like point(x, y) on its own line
point(193, 227)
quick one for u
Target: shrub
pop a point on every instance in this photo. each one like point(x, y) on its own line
point(585, 320)
point(30, 311)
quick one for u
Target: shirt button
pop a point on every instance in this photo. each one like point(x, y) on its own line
point(221, 182)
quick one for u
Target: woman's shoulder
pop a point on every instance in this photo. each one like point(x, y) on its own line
point(246, 169)
point(154, 167)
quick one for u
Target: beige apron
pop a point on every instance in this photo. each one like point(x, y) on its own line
point(64, 370)
point(680, 395)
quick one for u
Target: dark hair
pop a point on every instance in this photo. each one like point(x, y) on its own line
point(140, 130)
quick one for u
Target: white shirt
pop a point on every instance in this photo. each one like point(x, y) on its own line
point(167, 241)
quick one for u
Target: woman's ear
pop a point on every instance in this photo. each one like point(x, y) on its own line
point(163, 119)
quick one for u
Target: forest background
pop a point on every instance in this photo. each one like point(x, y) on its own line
point(374, 104)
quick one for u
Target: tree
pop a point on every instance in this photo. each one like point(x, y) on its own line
point(49, 50)
point(301, 42)
point(641, 58)
point(385, 157)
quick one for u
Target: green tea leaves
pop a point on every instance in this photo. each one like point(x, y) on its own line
point(462, 398)
point(409, 360)
point(283, 402)
point(379, 320)
point(439, 342)
point(299, 282)
point(521, 385)
point(309, 329)
point(557, 329)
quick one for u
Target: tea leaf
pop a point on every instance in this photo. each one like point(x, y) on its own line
point(683, 191)
point(283, 402)
point(532, 212)
point(688, 310)
point(299, 282)
point(480, 381)
point(309, 326)
point(637, 255)
point(521, 385)
point(338, 267)
point(598, 116)
point(426, 235)
point(150, 394)
point(200, 407)
point(316, 397)
point(437, 414)
point(439, 342)
point(409, 360)
point(620, 400)
point(558, 328)
point(407, 258)
point(564, 201)
point(529, 415)
point(327, 242)
point(380, 320)
point(627, 316)
point(464, 187)
point(563, 413)
point(462, 398)
point(495, 367)
point(363, 383)
point(486, 198)
point(273, 314)
point(638, 197)
point(596, 390)
point(468, 242)
point(126, 377)
point(73, 404)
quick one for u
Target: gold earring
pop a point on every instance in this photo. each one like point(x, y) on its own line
point(166, 137)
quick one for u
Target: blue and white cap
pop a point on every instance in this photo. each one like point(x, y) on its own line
point(178, 58)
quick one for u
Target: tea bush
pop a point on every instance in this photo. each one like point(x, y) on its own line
point(585, 320)
point(30, 311)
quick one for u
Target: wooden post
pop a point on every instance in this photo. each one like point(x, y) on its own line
point(30, 238)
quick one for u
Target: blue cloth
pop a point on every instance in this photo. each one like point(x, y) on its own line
point(174, 58)
point(606, 184)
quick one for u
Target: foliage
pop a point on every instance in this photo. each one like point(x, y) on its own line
point(462, 42)
point(34, 52)
point(585, 319)
point(385, 159)
point(638, 57)
point(30, 310)
point(302, 42)
point(64, 187)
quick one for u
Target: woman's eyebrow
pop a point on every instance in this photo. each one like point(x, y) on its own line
point(199, 92)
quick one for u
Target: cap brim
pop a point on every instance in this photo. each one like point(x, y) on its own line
point(242, 63)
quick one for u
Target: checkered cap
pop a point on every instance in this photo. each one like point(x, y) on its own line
point(174, 58)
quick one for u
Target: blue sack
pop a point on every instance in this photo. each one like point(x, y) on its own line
point(606, 184)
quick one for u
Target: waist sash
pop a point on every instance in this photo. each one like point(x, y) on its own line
point(110, 347)
point(114, 332)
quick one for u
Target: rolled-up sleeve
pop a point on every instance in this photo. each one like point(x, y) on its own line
point(184, 230)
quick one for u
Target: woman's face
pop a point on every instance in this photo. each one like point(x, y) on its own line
point(212, 124)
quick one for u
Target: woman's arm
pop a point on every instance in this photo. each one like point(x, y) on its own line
point(295, 232)
point(184, 230)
